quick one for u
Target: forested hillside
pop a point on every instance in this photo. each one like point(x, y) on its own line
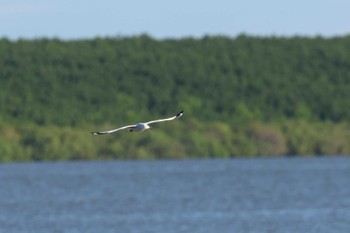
point(241, 96)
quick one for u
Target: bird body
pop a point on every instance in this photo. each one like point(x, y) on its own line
point(139, 127)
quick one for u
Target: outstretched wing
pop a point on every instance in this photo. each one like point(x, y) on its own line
point(166, 119)
point(113, 130)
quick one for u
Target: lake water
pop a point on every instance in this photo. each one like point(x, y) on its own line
point(192, 196)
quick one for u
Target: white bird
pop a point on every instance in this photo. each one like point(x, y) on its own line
point(139, 127)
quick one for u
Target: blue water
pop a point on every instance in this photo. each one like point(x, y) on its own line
point(192, 196)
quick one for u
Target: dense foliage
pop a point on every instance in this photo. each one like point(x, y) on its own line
point(241, 96)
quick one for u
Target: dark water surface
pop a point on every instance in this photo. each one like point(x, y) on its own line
point(193, 196)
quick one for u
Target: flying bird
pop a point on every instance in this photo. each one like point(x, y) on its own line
point(139, 127)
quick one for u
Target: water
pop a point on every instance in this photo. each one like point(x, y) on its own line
point(196, 196)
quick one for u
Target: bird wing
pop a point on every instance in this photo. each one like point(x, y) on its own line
point(166, 119)
point(113, 130)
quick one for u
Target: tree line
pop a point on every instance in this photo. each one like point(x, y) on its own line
point(240, 85)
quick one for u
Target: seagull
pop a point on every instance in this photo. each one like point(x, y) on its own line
point(139, 127)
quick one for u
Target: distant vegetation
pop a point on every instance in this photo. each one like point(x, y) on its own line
point(244, 96)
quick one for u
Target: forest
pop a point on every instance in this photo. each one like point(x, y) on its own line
point(242, 96)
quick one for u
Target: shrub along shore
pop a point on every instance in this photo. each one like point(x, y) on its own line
point(181, 139)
